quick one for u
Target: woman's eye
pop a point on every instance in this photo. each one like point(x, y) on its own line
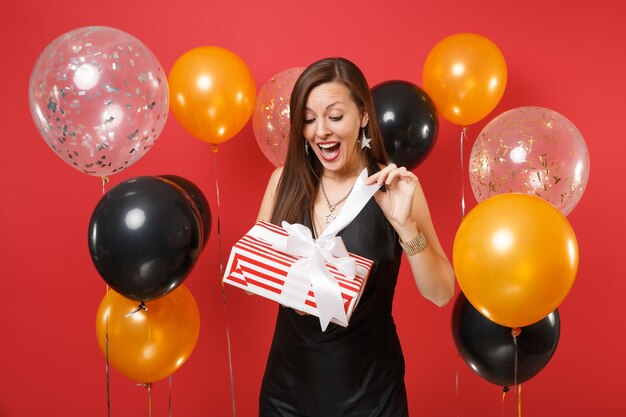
point(308, 121)
point(336, 118)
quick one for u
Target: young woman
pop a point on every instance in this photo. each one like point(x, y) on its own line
point(357, 370)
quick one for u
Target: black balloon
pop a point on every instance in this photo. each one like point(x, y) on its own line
point(408, 121)
point(489, 350)
point(201, 202)
point(145, 236)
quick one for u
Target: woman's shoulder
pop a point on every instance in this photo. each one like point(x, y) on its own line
point(277, 172)
point(272, 184)
point(275, 177)
point(267, 205)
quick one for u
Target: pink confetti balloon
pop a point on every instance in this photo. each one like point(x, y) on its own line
point(270, 120)
point(531, 150)
point(99, 98)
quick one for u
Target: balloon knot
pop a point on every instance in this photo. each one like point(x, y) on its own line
point(505, 389)
point(140, 307)
point(516, 331)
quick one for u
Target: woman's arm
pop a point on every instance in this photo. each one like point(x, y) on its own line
point(433, 273)
point(267, 205)
point(405, 206)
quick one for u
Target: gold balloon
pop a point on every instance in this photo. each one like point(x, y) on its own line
point(212, 93)
point(515, 258)
point(465, 76)
point(147, 346)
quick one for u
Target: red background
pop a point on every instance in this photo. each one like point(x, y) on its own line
point(566, 56)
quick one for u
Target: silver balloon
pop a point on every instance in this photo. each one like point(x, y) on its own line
point(99, 98)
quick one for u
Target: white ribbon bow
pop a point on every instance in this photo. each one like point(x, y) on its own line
point(310, 271)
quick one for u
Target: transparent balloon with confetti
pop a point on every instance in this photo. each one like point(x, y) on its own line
point(270, 119)
point(99, 98)
point(531, 150)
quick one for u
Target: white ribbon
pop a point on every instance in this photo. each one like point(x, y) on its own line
point(310, 271)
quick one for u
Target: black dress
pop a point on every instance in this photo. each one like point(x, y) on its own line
point(353, 371)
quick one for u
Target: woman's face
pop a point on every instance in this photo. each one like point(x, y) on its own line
point(331, 127)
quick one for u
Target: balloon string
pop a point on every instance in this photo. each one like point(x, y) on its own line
point(456, 383)
point(219, 228)
point(516, 332)
point(105, 181)
point(463, 138)
point(149, 388)
point(504, 391)
point(169, 411)
point(219, 240)
point(230, 359)
point(519, 400)
point(148, 385)
point(143, 306)
point(106, 366)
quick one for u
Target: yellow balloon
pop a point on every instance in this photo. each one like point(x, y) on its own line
point(147, 346)
point(465, 76)
point(212, 93)
point(515, 258)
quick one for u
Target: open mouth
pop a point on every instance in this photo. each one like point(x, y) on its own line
point(329, 151)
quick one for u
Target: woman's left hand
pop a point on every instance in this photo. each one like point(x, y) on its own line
point(396, 201)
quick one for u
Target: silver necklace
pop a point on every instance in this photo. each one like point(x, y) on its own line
point(332, 207)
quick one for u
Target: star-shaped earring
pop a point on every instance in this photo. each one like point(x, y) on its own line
point(365, 142)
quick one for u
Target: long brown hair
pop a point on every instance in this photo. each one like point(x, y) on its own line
point(299, 181)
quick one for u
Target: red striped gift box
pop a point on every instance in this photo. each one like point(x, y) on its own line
point(255, 266)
